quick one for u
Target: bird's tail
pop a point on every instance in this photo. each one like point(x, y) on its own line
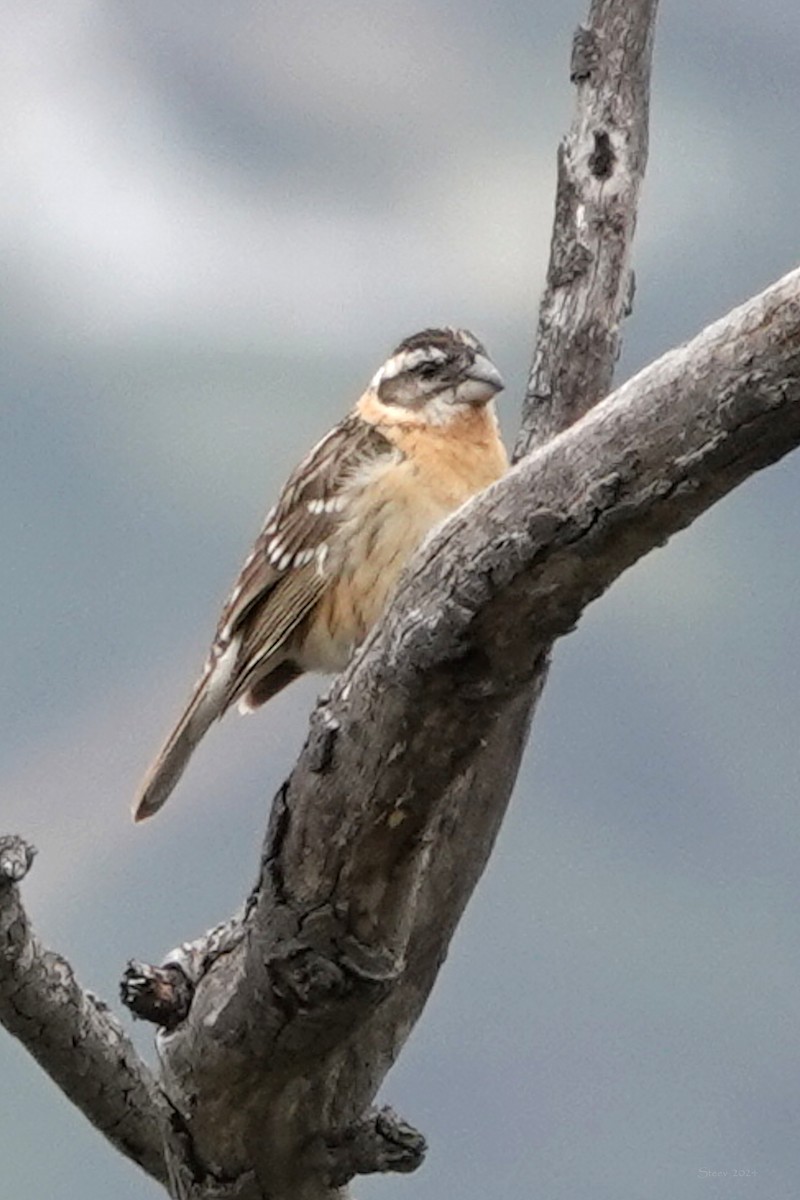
point(209, 701)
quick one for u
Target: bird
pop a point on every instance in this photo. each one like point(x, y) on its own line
point(421, 440)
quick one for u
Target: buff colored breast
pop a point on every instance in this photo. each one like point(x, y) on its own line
point(390, 511)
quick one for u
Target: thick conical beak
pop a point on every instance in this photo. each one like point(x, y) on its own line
point(482, 381)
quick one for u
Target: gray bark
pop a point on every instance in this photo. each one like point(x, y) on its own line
point(376, 841)
point(371, 858)
point(601, 164)
point(71, 1033)
point(379, 837)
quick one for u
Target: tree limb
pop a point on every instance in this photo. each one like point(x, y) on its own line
point(601, 165)
point(71, 1034)
point(375, 843)
point(365, 870)
point(304, 1015)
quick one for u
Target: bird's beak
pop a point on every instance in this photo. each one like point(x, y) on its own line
point(482, 382)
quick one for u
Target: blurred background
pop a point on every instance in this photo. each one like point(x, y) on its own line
point(216, 219)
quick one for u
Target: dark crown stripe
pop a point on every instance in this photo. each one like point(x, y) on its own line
point(448, 340)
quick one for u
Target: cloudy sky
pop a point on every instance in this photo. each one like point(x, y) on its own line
point(215, 220)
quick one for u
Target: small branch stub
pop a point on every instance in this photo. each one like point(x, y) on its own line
point(162, 995)
point(380, 1142)
point(16, 857)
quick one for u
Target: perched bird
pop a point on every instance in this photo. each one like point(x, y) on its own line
point(420, 441)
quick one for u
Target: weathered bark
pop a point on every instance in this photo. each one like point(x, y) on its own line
point(601, 164)
point(296, 966)
point(71, 1033)
point(368, 862)
point(381, 834)
point(297, 1008)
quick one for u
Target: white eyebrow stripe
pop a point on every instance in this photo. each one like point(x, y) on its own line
point(407, 360)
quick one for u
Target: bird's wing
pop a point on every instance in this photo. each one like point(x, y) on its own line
point(286, 572)
point(280, 582)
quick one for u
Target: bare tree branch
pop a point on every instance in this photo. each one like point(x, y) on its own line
point(371, 853)
point(376, 842)
point(285, 1021)
point(71, 1033)
point(365, 870)
point(601, 164)
point(517, 566)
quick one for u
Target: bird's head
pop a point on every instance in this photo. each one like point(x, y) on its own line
point(435, 373)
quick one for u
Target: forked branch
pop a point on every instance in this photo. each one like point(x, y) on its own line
point(286, 1020)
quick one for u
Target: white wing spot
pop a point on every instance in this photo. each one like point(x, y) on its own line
point(304, 557)
point(322, 557)
point(331, 505)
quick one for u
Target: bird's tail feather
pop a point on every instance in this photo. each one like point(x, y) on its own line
point(171, 760)
point(209, 701)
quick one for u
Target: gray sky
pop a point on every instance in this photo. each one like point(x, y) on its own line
point(216, 219)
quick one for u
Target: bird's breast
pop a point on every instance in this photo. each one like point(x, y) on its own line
point(390, 510)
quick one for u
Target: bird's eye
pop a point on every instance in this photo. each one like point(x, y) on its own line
point(427, 370)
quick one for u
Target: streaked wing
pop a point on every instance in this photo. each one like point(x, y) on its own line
point(285, 574)
point(269, 625)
